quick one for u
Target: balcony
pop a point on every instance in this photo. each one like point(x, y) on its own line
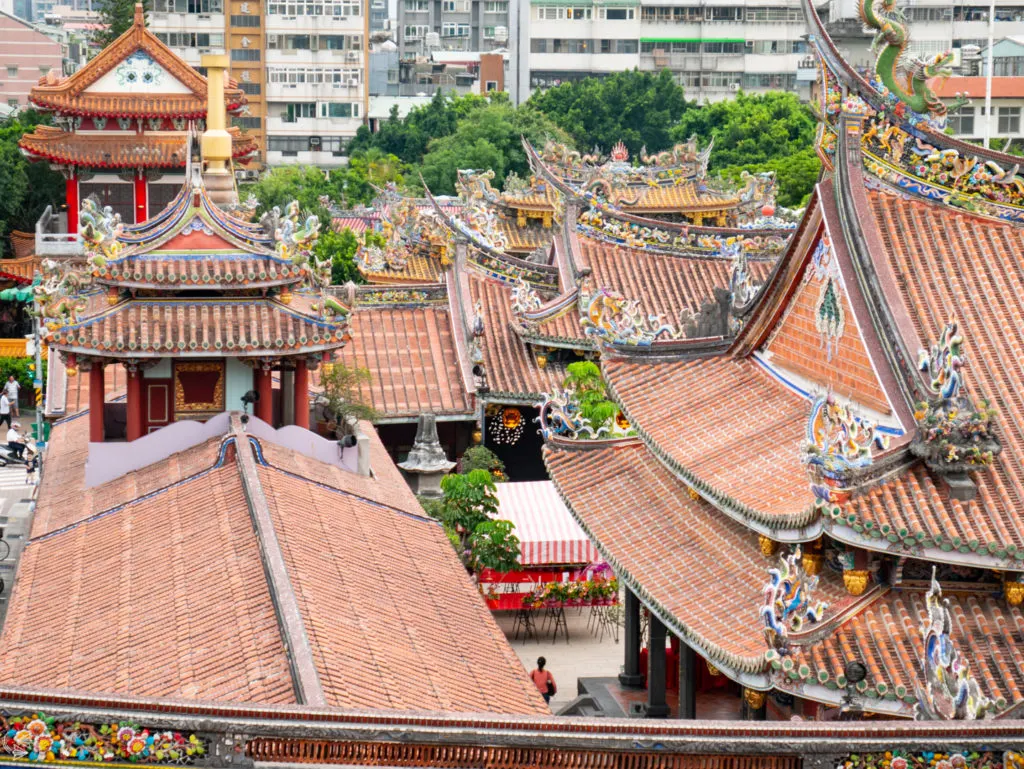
point(52, 238)
point(307, 158)
point(292, 92)
point(186, 22)
point(278, 24)
point(314, 126)
point(297, 56)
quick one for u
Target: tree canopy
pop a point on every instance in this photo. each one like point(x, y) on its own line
point(26, 188)
point(639, 108)
point(759, 132)
point(118, 16)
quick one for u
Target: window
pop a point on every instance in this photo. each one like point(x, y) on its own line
point(488, 33)
point(191, 39)
point(447, 5)
point(339, 109)
point(246, 122)
point(777, 15)
point(618, 46)
point(415, 31)
point(491, 85)
point(570, 46)
point(723, 47)
point(550, 14)
point(12, 70)
point(961, 122)
point(723, 14)
point(336, 8)
point(245, 54)
point(1008, 66)
point(450, 29)
point(1009, 120)
point(253, 89)
point(12, 102)
point(617, 14)
point(677, 47)
point(496, 6)
point(245, 21)
point(44, 69)
point(290, 146)
point(296, 112)
point(774, 81)
point(929, 14)
point(578, 14)
point(416, 6)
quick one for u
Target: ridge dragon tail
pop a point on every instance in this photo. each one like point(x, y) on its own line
point(907, 79)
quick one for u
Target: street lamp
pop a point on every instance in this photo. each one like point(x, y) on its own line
point(855, 672)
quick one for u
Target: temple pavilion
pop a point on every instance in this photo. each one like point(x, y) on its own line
point(120, 124)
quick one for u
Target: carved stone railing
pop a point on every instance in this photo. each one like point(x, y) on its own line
point(50, 242)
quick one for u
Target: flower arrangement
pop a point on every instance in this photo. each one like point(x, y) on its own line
point(954, 437)
point(598, 590)
point(930, 760)
point(37, 737)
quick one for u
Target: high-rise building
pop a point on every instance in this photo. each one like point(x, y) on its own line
point(301, 63)
point(717, 49)
point(425, 26)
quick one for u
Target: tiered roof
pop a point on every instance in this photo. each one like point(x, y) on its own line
point(193, 246)
point(887, 256)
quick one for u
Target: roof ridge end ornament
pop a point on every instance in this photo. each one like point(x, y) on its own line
point(788, 602)
point(948, 691)
point(955, 434)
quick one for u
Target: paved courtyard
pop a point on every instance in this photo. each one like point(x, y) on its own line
point(584, 656)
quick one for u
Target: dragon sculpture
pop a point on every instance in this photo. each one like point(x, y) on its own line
point(524, 298)
point(685, 152)
point(617, 320)
point(475, 186)
point(943, 365)
point(949, 691)
point(101, 230)
point(837, 439)
point(58, 295)
point(742, 287)
point(906, 79)
point(788, 602)
point(295, 240)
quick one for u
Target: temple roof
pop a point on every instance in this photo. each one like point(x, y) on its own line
point(191, 328)
point(101, 150)
point(214, 632)
point(673, 549)
point(135, 76)
point(409, 350)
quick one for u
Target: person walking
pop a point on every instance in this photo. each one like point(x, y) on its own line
point(5, 409)
point(11, 388)
point(543, 680)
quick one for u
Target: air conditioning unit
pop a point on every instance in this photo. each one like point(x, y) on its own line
point(353, 81)
point(341, 18)
point(252, 174)
point(734, 87)
point(272, 40)
point(353, 56)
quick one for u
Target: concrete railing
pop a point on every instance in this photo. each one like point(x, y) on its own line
point(50, 241)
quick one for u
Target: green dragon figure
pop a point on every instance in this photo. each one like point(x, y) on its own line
point(907, 80)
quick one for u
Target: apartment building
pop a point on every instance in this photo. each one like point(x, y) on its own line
point(26, 54)
point(425, 26)
point(302, 64)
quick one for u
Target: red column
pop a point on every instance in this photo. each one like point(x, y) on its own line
point(96, 399)
point(301, 393)
point(141, 197)
point(71, 198)
point(134, 405)
point(264, 408)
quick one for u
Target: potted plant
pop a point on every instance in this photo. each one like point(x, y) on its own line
point(342, 397)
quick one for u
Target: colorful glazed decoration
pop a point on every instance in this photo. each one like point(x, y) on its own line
point(937, 759)
point(742, 287)
point(897, 71)
point(838, 440)
point(58, 296)
point(829, 313)
point(100, 230)
point(955, 435)
point(559, 416)
point(949, 692)
point(139, 69)
point(943, 365)
point(295, 240)
point(525, 298)
point(37, 737)
point(788, 601)
point(475, 186)
point(611, 317)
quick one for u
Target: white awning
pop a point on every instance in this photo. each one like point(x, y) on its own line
point(548, 534)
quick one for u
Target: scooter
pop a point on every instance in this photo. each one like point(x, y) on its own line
point(8, 457)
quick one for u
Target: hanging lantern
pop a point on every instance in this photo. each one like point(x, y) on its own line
point(621, 421)
point(506, 425)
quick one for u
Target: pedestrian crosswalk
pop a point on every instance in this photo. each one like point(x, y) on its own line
point(14, 477)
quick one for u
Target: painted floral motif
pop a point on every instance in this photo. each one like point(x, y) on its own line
point(139, 68)
point(897, 759)
point(788, 602)
point(949, 691)
point(37, 737)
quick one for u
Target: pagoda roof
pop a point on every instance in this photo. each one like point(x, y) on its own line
point(683, 197)
point(162, 149)
point(215, 632)
point(524, 239)
point(196, 328)
point(405, 339)
point(99, 89)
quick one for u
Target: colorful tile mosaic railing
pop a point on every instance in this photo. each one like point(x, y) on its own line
point(37, 737)
point(934, 760)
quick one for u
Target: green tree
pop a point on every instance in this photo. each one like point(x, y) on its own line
point(26, 188)
point(638, 108)
point(482, 458)
point(494, 545)
point(342, 393)
point(489, 137)
point(760, 132)
point(340, 248)
point(117, 16)
point(469, 500)
point(584, 379)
